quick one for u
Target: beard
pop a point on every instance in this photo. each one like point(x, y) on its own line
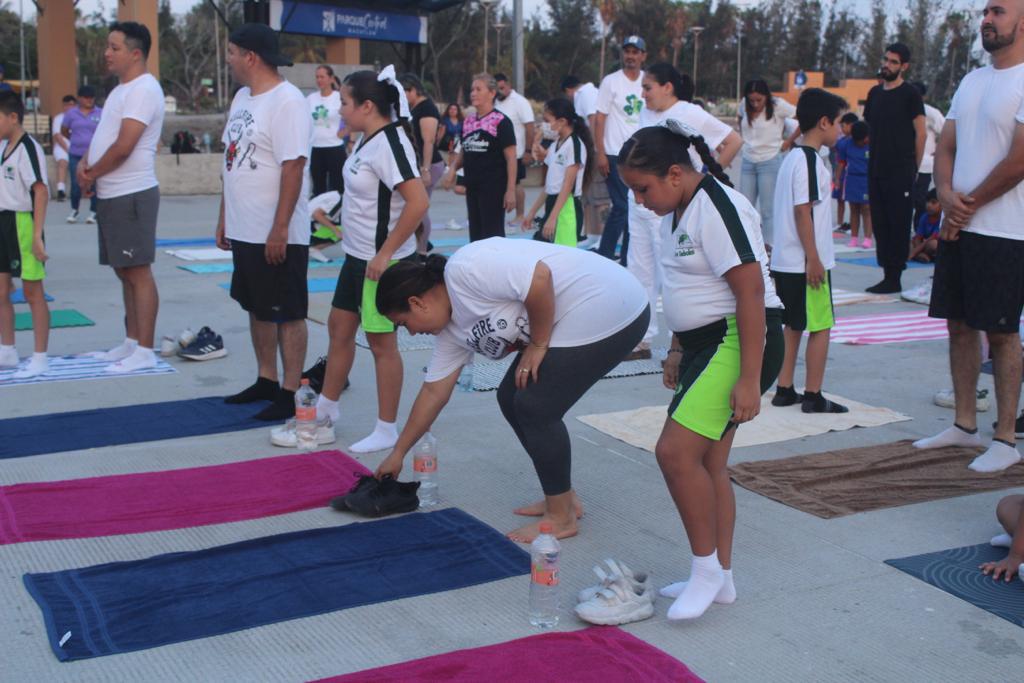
point(889, 76)
point(992, 41)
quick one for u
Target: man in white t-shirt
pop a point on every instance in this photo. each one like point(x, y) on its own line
point(933, 123)
point(264, 216)
point(583, 96)
point(517, 108)
point(60, 146)
point(120, 169)
point(979, 279)
point(619, 101)
point(584, 101)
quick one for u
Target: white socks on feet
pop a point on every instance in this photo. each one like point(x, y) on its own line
point(706, 579)
point(953, 436)
point(385, 435)
point(119, 352)
point(1001, 541)
point(998, 457)
point(8, 356)
point(325, 407)
point(726, 594)
point(37, 365)
point(140, 358)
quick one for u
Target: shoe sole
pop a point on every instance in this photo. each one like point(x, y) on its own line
point(290, 444)
point(219, 353)
point(641, 612)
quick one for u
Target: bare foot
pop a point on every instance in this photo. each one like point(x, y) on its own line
point(538, 509)
point(526, 534)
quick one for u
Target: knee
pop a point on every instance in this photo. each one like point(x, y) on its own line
point(34, 291)
point(6, 289)
point(1009, 508)
point(1004, 340)
point(383, 346)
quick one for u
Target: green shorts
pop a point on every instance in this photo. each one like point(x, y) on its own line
point(570, 220)
point(806, 308)
point(709, 369)
point(355, 293)
point(17, 229)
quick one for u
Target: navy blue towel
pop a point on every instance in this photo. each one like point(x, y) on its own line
point(128, 424)
point(126, 606)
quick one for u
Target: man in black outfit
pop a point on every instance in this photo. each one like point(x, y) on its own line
point(895, 112)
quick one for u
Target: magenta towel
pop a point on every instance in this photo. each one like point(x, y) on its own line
point(173, 499)
point(593, 655)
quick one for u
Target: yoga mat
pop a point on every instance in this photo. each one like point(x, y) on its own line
point(186, 242)
point(871, 262)
point(18, 297)
point(56, 432)
point(599, 654)
point(205, 254)
point(314, 284)
point(69, 368)
point(139, 604)
point(487, 374)
point(406, 341)
point(206, 268)
point(62, 317)
point(642, 426)
point(844, 482)
point(173, 499)
point(956, 572)
point(889, 328)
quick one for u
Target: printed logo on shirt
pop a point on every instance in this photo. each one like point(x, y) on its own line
point(353, 168)
point(633, 105)
point(485, 338)
point(320, 116)
point(8, 172)
point(241, 125)
point(475, 143)
point(684, 245)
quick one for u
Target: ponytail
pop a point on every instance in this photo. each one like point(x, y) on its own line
point(656, 149)
point(664, 73)
point(562, 108)
point(407, 279)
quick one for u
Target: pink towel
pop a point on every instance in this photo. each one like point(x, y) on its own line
point(597, 655)
point(889, 328)
point(173, 499)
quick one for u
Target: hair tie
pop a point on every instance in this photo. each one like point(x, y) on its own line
point(387, 74)
point(680, 128)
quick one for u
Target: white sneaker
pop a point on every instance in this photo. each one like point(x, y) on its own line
point(140, 359)
point(617, 603)
point(285, 436)
point(317, 255)
point(186, 337)
point(168, 347)
point(34, 368)
point(946, 399)
point(72, 217)
point(92, 217)
point(9, 358)
point(640, 581)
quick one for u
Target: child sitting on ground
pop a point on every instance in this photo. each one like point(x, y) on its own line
point(1010, 513)
point(23, 198)
point(804, 253)
point(325, 213)
point(925, 242)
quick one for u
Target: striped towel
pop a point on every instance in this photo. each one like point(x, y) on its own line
point(67, 368)
point(889, 328)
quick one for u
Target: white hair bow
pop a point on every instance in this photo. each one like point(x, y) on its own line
point(388, 74)
point(680, 128)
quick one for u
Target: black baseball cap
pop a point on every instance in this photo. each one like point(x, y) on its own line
point(262, 40)
point(86, 91)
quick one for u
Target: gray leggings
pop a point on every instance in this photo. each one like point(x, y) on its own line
point(565, 374)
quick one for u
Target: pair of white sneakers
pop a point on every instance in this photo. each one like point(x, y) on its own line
point(285, 436)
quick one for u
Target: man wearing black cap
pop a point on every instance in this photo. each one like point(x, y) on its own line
point(78, 127)
point(263, 214)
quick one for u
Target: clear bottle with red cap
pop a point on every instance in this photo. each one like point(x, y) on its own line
point(544, 579)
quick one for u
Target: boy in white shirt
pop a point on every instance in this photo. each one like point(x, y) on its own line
point(803, 254)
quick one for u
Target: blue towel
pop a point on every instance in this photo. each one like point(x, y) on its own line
point(872, 263)
point(203, 268)
point(135, 605)
point(187, 242)
point(315, 284)
point(19, 297)
point(127, 424)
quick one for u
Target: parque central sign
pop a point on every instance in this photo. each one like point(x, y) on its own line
point(346, 22)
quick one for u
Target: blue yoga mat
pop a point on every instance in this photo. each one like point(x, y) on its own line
point(135, 605)
point(204, 268)
point(187, 242)
point(19, 297)
point(315, 284)
point(100, 427)
point(872, 263)
point(956, 572)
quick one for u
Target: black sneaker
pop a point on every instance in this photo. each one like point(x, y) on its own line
point(338, 502)
point(61, 195)
point(206, 346)
point(315, 374)
point(377, 498)
point(845, 227)
point(1018, 426)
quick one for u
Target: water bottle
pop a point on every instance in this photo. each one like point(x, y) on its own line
point(465, 382)
point(305, 417)
point(424, 466)
point(544, 553)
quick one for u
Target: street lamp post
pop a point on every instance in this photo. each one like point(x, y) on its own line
point(739, 58)
point(499, 26)
point(695, 30)
point(487, 4)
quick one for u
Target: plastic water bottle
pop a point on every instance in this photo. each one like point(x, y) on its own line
point(305, 417)
point(424, 466)
point(465, 382)
point(544, 552)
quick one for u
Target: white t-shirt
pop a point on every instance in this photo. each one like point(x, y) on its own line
point(329, 203)
point(380, 163)
point(762, 138)
point(326, 114)
point(718, 231)
point(140, 99)
point(584, 101)
point(561, 155)
point(488, 282)
point(803, 178)
point(59, 153)
point(933, 121)
point(987, 107)
point(20, 169)
point(711, 129)
point(261, 134)
point(621, 99)
point(517, 108)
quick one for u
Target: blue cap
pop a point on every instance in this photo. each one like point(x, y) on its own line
point(635, 41)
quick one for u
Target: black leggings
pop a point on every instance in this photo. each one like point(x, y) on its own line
point(325, 168)
point(565, 374)
point(486, 209)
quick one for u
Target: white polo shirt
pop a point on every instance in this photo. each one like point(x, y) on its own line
point(561, 155)
point(803, 179)
point(711, 129)
point(21, 167)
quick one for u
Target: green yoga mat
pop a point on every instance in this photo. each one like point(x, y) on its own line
point(68, 317)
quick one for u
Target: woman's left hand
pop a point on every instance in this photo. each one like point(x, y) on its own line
point(745, 400)
point(376, 267)
point(510, 200)
point(549, 229)
point(529, 364)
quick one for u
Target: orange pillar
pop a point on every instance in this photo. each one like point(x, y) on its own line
point(144, 12)
point(57, 53)
point(342, 51)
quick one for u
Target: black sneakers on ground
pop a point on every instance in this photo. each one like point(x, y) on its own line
point(206, 346)
point(315, 374)
point(371, 497)
point(1018, 426)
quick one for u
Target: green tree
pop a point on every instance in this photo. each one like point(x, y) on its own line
point(839, 57)
point(876, 37)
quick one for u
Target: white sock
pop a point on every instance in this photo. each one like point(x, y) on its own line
point(385, 435)
point(998, 457)
point(8, 356)
point(325, 407)
point(726, 594)
point(1001, 541)
point(119, 352)
point(953, 436)
point(140, 358)
point(60, 187)
point(37, 365)
point(706, 579)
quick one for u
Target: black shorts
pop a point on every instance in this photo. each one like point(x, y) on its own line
point(520, 171)
point(273, 294)
point(806, 308)
point(10, 249)
point(979, 279)
point(348, 293)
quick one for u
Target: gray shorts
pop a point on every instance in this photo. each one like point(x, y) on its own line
point(127, 228)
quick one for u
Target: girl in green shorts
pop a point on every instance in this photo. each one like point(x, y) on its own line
point(727, 344)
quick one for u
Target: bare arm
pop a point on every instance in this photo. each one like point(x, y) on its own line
point(511, 167)
point(289, 188)
point(1007, 174)
point(920, 138)
point(40, 198)
point(454, 164)
point(805, 231)
point(428, 132)
point(747, 285)
point(127, 137)
point(729, 148)
point(540, 311)
point(530, 139)
point(429, 403)
point(222, 241)
point(599, 123)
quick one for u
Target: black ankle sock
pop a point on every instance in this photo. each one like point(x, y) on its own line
point(813, 396)
point(965, 430)
point(263, 390)
point(786, 391)
point(282, 408)
point(1004, 441)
